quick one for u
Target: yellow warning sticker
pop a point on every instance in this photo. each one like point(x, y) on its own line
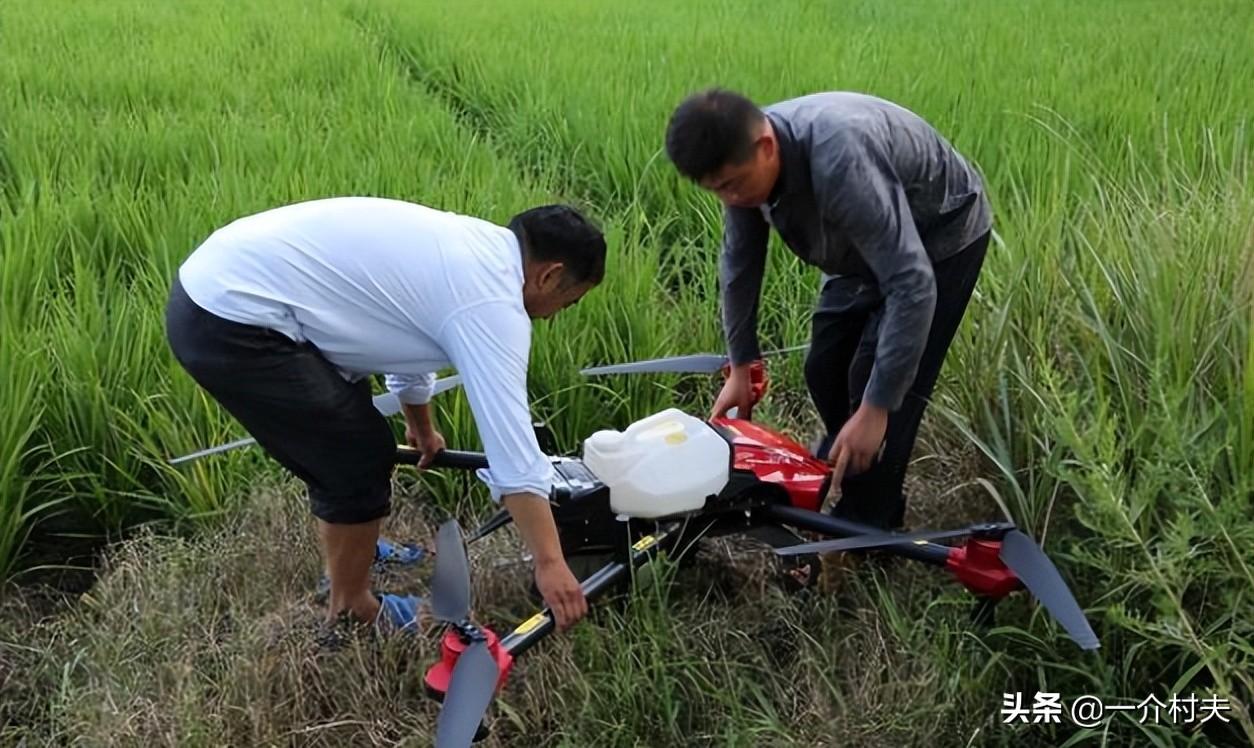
point(644, 543)
point(530, 624)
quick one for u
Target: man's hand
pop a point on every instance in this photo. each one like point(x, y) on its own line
point(859, 442)
point(561, 592)
point(557, 585)
point(737, 392)
point(420, 433)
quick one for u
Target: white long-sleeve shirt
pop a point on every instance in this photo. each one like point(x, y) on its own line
point(383, 286)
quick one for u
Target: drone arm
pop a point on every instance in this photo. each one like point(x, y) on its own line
point(931, 553)
point(494, 523)
point(446, 458)
point(527, 634)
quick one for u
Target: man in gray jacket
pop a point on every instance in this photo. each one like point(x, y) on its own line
point(898, 223)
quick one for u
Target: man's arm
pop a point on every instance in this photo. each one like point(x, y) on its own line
point(489, 344)
point(535, 523)
point(857, 189)
point(420, 433)
point(742, 264)
point(418, 417)
point(414, 391)
point(557, 585)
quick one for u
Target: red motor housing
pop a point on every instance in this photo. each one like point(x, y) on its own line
point(978, 565)
point(451, 648)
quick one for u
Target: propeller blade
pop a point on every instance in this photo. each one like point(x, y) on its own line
point(470, 691)
point(213, 450)
point(444, 384)
point(790, 349)
point(450, 582)
point(1025, 558)
point(387, 404)
point(870, 541)
point(697, 363)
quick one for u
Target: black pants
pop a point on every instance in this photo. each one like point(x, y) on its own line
point(838, 367)
point(303, 413)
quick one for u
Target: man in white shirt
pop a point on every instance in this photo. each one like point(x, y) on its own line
point(282, 316)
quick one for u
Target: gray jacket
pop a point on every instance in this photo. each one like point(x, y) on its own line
point(872, 195)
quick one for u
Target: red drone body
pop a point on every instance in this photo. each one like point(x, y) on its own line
point(774, 458)
point(771, 456)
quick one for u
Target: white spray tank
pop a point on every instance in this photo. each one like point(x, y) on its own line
point(664, 464)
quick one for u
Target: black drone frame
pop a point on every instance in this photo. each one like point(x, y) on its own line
point(996, 560)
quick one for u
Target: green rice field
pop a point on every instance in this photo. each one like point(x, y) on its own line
point(1100, 391)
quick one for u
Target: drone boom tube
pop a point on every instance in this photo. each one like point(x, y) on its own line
point(531, 631)
point(445, 458)
point(931, 553)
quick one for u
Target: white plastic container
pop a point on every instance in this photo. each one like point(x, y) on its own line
point(664, 464)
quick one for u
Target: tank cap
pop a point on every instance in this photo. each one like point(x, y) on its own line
point(605, 440)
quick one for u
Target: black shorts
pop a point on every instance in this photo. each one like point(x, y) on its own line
point(302, 412)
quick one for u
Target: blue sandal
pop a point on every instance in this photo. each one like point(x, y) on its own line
point(402, 554)
point(386, 553)
point(398, 613)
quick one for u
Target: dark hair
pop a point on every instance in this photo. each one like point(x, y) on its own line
point(709, 130)
point(559, 233)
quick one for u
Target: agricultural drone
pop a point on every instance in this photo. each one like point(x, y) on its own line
point(666, 481)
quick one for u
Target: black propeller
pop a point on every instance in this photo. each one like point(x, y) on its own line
point(1026, 559)
point(874, 541)
point(450, 582)
point(1019, 553)
point(475, 676)
point(696, 363)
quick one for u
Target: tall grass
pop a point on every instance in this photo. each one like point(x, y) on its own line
point(131, 132)
point(21, 388)
point(1118, 425)
point(586, 90)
